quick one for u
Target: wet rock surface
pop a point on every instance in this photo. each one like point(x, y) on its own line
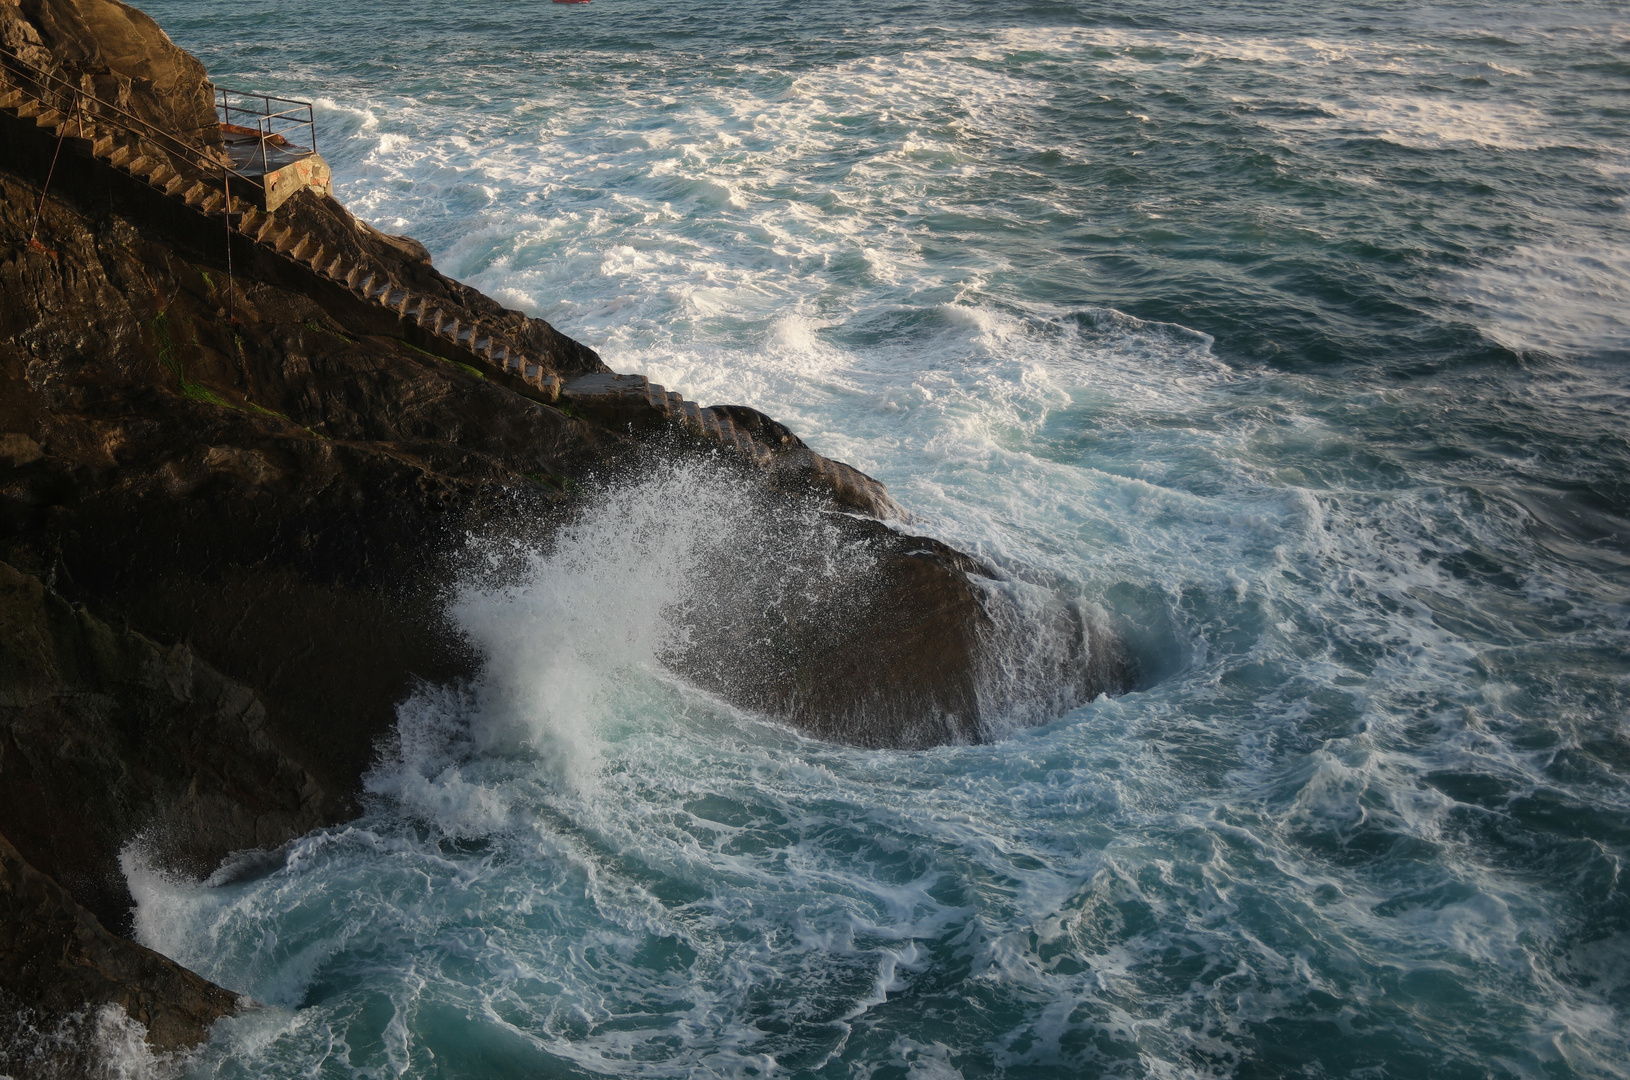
point(889, 660)
point(56, 961)
point(107, 737)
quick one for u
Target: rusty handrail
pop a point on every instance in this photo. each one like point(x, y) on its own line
point(48, 85)
point(271, 125)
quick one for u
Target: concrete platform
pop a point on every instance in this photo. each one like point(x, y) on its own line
point(281, 167)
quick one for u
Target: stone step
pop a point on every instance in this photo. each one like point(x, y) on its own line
point(710, 425)
point(196, 194)
point(215, 202)
point(728, 432)
point(735, 437)
point(538, 379)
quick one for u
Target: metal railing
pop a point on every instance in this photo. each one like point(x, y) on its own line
point(270, 120)
point(69, 99)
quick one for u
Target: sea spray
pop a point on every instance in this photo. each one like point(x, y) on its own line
point(102, 1043)
point(1044, 654)
point(693, 570)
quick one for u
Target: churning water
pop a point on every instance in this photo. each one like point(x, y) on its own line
point(1293, 340)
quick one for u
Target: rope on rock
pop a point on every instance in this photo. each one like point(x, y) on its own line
point(39, 209)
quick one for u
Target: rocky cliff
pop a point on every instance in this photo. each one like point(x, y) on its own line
point(119, 55)
point(235, 480)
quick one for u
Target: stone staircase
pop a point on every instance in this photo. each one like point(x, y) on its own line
point(129, 153)
point(628, 401)
point(635, 403)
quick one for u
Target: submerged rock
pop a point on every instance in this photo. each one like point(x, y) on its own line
point(859, 633)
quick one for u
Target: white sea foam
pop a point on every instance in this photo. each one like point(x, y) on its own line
point(1563, 298)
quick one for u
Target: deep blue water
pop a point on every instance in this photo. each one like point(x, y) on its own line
point(1295, 341)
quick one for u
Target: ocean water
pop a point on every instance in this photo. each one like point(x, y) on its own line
point(1293, 339)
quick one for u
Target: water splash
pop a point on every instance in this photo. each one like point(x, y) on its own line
point(692, 569)
point(94, 1043)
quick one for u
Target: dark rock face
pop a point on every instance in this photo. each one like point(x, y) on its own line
point(56, 959)
point(626, 403)
point(281, 492)
point(285, 492)
point(105, 736)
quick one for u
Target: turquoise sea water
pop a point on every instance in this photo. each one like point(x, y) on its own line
point(1295, 340)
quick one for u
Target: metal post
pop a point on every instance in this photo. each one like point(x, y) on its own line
point(231, 285)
